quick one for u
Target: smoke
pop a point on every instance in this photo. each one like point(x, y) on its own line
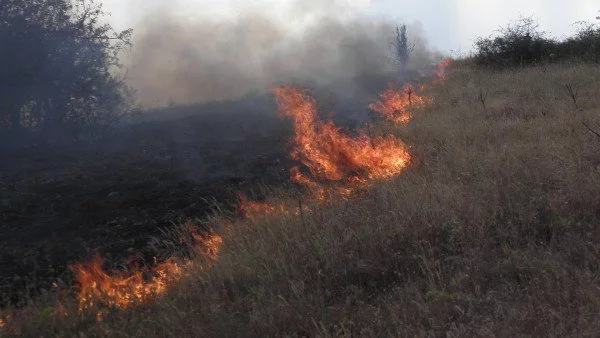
point(180, 60)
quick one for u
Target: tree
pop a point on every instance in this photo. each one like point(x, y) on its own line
point(586, 43)
point(57, 68)
point(519, 43)
point(402, 47)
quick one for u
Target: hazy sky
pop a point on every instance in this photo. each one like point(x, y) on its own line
point(189, 51)
point(449, 25)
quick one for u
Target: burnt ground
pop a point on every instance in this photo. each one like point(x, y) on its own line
point(62, 205)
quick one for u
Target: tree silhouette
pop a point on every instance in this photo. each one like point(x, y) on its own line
point(402, 48)
point(57, 65)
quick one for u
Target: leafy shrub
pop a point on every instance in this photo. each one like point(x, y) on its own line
point(585, 45)
point(57, 65)
point(521, 43)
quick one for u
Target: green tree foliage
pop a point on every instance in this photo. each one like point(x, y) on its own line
point(521, 43)
point(57, 69)
point(585, 44)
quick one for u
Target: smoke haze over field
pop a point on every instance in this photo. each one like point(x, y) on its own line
point(183, 58)
point(198, 50)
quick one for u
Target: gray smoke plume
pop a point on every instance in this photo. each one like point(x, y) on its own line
point(175, 60)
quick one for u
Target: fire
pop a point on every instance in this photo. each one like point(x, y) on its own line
point(121, 289)
point(249, 209)
point(441, 69)
point(332, 156)
point(207, 244)
point(336, 163)
point(394, 104)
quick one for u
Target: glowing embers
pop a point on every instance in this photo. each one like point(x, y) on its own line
point(333, 158)
point(100, 287)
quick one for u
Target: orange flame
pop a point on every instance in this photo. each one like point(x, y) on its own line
point(121, 289)
point(207, 244)
point(332, 156)
point(441, 69)
point(252, 209)
point(98, 286)
point(249, 209)
point(394, 104)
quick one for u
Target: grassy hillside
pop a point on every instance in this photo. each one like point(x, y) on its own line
point(493, 230)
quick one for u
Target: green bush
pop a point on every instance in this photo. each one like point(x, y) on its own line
point(57, 64)
point(521, 43)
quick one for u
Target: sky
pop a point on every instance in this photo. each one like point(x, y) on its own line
point(191, 51)
point(450, 26)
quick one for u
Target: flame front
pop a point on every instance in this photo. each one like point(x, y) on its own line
point(121, 289)
point(332, 156)
point(336, 163)
point(98, 286)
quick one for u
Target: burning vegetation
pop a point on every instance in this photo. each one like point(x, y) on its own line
point(251, 209)
point(334, 163)
point(119, 288)
point(441, 70)
point(98, 287)
point(497, 235)
point(394, 103)
point(332, 156)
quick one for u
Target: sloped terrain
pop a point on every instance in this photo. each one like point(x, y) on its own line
point(59, 206)
point(492, 230)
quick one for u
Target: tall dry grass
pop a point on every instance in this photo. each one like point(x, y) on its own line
point(493, 230)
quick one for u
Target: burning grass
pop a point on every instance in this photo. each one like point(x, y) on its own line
point(493, 230)
point(99, 288)
point(394, 103)
point(350, 163)
point(253, 209)
point(332, 156)
point(121, 289)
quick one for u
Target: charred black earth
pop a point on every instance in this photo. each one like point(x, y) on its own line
point(60, 205)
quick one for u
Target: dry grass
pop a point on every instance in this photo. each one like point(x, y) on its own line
point(494, 230)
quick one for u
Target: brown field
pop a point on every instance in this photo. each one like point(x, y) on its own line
point(494, 229)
